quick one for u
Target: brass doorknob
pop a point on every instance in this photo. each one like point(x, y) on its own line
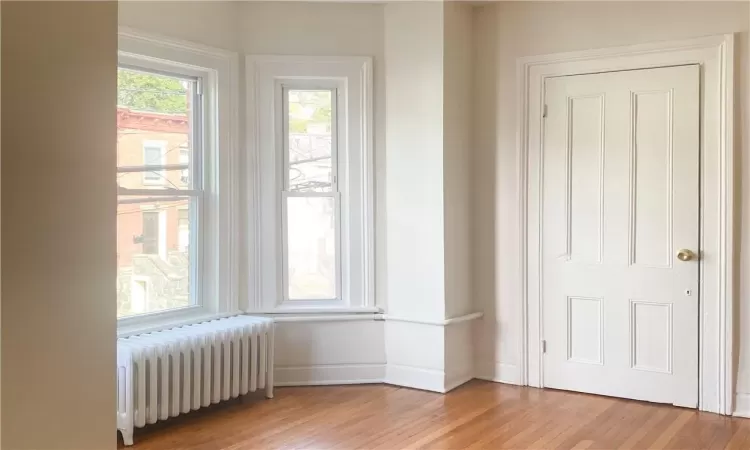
point(685, 255)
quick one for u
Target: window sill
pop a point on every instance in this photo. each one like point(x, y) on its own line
point(330, 317)
point(135, 327)
point(316, 310)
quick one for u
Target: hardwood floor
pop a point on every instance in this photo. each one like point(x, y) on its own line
point(478, 415)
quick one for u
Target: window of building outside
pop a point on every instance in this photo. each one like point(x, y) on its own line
point(153, 155)
point(157, 117)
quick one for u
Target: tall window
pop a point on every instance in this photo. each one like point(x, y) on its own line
point(312, 118)
point(158, 123)
point(177, 232)
point(311, 196)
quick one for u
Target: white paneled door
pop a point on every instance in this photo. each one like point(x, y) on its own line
point(620, 234)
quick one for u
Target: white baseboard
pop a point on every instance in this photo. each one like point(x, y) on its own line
point(415, 377)
point(322, 375)
point(742, 405)
point(456, 381)
point(502, 373)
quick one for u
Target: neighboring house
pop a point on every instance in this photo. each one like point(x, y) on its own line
point(152, 237)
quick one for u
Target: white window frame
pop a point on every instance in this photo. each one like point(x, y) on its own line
point(215, 272)
point(351, 77)
point(161, 174)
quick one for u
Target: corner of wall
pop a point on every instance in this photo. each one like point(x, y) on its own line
point(742, 405)
point(434, 357)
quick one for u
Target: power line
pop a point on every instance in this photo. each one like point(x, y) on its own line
point(146, 163)
point(156, 208)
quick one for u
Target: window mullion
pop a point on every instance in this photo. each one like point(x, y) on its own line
point(151, 243)
point(334, 141)
point(285, 129)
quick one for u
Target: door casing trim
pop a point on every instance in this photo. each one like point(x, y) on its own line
point(715, 55)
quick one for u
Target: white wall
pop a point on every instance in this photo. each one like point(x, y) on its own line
point(206, 22)
point(58, 211)
point(428, 135)
point(507, 30)
point(457, 150)
point(414, 167)
point(336, 352)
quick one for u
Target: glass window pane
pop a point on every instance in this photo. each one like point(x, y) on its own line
point(153, 254)
point(310, 140)
point(311, 246)
point(154, 152)
point(154, 125)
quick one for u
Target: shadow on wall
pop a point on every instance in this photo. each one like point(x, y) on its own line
point(740, 141)
point(484, 187)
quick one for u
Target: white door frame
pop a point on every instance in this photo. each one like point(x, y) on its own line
point(715, 54)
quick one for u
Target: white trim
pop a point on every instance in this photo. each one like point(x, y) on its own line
point(283, 149)
point(171, 44)
point(329, 374)
point(441, 323)
point(264, 75)
point(715, 55)
point(309, 318)
point(415, 377)
point(217, 287)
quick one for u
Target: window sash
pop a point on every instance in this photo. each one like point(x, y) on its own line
point(286, 162)
point(286, 193)
point(285, 257)
point(195, 193)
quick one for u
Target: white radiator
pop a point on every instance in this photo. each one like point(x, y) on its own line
point(172, 372)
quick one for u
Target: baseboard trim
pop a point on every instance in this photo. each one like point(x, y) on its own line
point(324, 375)
point(742, 405)
point(502, 373)
point(415, 377)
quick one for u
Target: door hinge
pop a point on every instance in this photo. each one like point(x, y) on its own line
point(544, 111)
point(199, 87)
point(544, 346)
